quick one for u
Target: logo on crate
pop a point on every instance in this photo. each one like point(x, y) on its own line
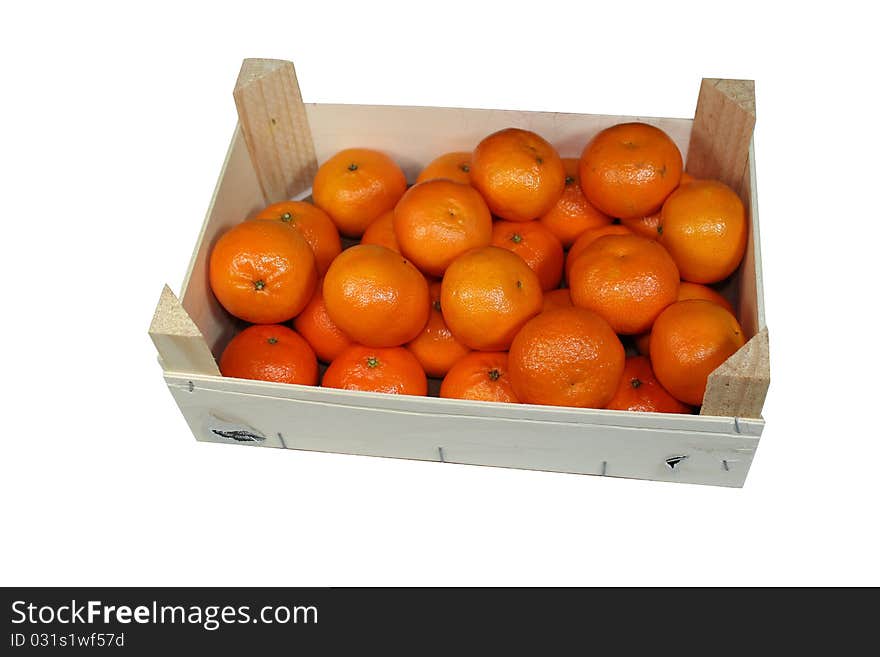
point(233, 431)
point(238, 435)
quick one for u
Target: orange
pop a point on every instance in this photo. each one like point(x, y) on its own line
point(315, 325)
point(391, 370)
point(647, 226)
point(376, 296)
point(381, 232)
point(643, 343)
point(487, 295)
point(435, 347)
point(270, 352)
point(520, 175)
point(573, 213)
point(627, 279)
point(312, 223)
point(534, 243)
point(480, 376)
point(629, 169)
point(557, 299)
point(685, 291)
point(451, 166)
point(438, 220)
point(357, 185)
point(639, 390)
point(703, 226)
point(689, 340)
point(566, 357)
point(588, 237)
point(262, 272)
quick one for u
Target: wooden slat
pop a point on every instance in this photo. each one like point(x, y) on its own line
point(720, 459)
point(275, 127)
point(178, 340)
point(722, 131)
point(316, 396)
point(739, 386)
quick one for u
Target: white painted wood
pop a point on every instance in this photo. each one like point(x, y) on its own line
point(581, 447)
point(751, 290)
point(441, 407)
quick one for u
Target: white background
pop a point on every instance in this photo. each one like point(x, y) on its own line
point(116, 121)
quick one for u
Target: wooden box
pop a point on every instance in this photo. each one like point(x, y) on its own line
point(274, 154)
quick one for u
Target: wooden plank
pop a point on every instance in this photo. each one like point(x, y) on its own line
point(751, 285)
point(722, 131)
point(275, 126)
point(739, 386)
point(457, 407)
point(180, 344)
point(584, 448)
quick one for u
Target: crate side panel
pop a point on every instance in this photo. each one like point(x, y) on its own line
point(236, 196)
point(751, 287)
point(416, 135)
point(225, 417)
point(439, 406)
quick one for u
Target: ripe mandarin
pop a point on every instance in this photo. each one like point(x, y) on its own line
point(438, 220)
point(391, 370)
point(312, 223)
point(534, 243)
point(566, 357)
point(627, 279)
point(435, 347)
point(573, 213)
point(262, 271)
point(688, 341)
point(519, 173)
point(479, 376)
point(703, 226)
point(629, 169)
point(356, 186)
point(376, 296)
point(639, 390)
point(451, 166)
point(487, 295)
point(270, 352)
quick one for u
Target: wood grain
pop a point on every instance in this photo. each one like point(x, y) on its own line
point(581, 447)
point(180, 344)
point(275, 126)
point(739, 386)
point(722, 131)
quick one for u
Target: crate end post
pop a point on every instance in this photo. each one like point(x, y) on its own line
point(722, 132)
point(180, 343)
point(275, 126)
point(738, 387)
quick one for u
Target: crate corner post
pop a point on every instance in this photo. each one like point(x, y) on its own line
point(722, 132)
point(275, 126)
point(738, 387)
point(180, 343)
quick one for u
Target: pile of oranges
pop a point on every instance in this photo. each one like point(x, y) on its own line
point(510, 273)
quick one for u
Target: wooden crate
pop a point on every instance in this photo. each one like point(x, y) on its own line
point(273, 156)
